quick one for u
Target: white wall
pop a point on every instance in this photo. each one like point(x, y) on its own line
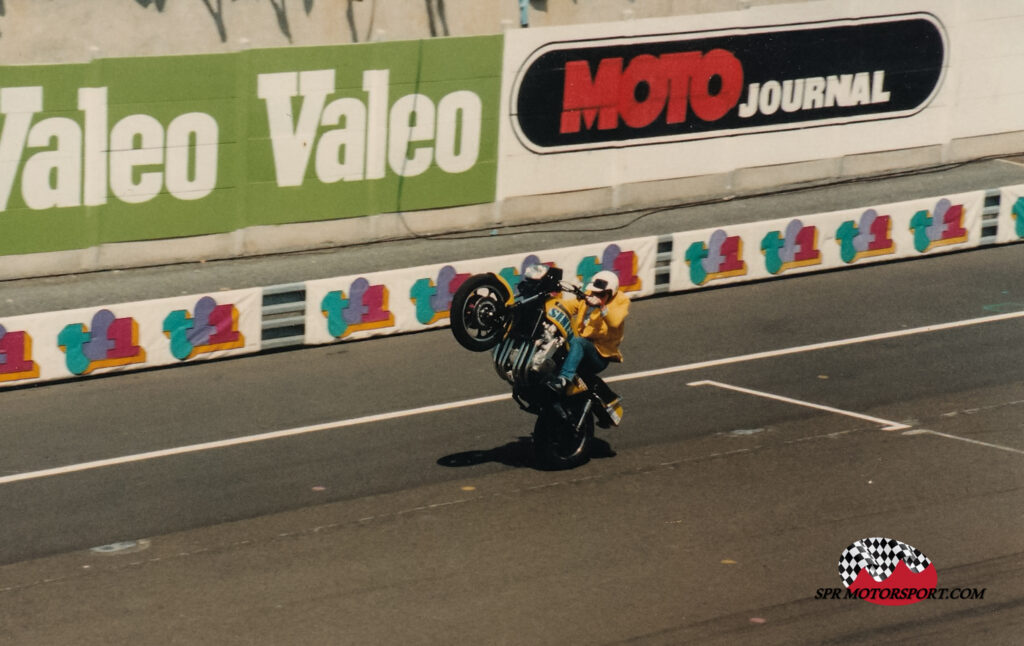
point(67, 31)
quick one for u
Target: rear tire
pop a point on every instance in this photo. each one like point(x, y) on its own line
point(556, 443)
point(478, 313)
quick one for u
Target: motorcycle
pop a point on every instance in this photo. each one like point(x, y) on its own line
point(528, 331)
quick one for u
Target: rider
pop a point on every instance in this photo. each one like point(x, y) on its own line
point(598, 322)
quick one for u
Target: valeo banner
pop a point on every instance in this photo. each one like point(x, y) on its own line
point(148, 148)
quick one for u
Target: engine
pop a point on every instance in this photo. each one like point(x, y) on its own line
point(517, 360)
point(543, 362)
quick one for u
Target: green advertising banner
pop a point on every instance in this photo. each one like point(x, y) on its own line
point(148, 148)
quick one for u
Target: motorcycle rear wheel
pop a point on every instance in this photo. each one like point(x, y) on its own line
point(478, 313)
point(557, 444)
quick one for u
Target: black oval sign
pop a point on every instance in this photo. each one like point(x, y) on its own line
point(632, 91)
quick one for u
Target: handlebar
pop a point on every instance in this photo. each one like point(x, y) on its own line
point(576, 290)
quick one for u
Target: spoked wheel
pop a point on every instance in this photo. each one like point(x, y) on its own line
point(561, 443)
point(478, 313)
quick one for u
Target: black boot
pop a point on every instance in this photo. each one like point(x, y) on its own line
point(601, 389)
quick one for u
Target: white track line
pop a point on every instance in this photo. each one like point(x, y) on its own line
point(249, 439)
point(369, 419)
point(964, 439)
point(817, 346)
point(887, 425)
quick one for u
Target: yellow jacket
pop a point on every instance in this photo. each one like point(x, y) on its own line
point(604, 327)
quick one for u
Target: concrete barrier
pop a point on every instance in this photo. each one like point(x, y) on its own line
point(77, 343)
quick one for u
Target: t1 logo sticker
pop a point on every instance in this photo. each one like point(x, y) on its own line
point(721, 257)
point(108, 342)
point(623, 263)
point(433, 300)
point(364, 308)
point(214, 327)
point(945, 227)
point(798, 248)
point(16, 356)
point(873, 237)
point(1018, 215)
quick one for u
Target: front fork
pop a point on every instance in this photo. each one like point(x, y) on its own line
point(560, 409)
point(587, 405)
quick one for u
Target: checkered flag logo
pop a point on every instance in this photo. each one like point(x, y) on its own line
point(880, 556)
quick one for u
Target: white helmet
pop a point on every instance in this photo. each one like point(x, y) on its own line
point(604, 281)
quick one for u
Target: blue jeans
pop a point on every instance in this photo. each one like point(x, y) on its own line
point(583, 356)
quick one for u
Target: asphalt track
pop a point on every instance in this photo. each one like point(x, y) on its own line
point(320, 496)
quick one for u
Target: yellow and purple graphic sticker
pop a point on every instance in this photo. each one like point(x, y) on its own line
point(720, 257)
point(871, 236)
point(363, 307)
point(938, 228)
point(796, 247)
point(614, 258)
point(107, 342)
point(211, 327)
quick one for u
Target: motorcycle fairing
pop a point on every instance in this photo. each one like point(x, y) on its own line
point(558, 314)
point(508, 289)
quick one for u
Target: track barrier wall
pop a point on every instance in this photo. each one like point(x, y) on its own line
point(128, 336)
point(179, 331)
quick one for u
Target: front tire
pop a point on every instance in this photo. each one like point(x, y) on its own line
point(478, 313)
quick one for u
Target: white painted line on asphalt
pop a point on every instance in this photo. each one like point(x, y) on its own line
point(817, 346)
point(382, 417)
point(964, 439)
point(887, 425)
point(248, 439)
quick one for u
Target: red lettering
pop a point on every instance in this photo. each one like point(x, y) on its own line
point(225, 319)
point(456, 283)
point(733, 260)
point(642, 69)
point(679, 69)
point(880, 234)
point(680, 81)
point(625, 266)
point(722, 64)
point(585, 98)
point(124, 334)
point(376, 301)
point(953, 219)
point(806, 240)
point(15, 353)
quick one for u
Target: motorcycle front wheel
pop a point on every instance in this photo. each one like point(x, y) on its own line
point(478, 312)
point(561, 443)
